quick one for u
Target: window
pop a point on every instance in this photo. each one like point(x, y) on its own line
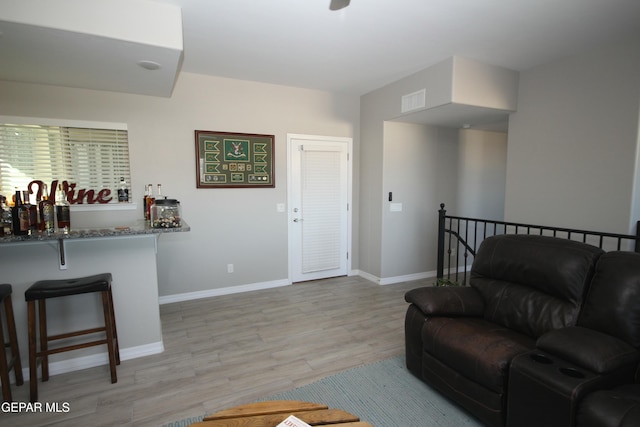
point(93, 156)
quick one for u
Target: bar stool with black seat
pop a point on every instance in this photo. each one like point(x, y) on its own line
point(6, 364)
point(46, 289)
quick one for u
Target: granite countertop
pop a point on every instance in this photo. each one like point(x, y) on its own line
point(138, 228)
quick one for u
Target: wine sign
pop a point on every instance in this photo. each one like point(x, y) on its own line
point(75, 197)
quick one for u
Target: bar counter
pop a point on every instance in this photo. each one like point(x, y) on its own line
point(129, 253)
point(138, 228)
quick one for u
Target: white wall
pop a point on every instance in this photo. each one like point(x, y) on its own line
point(238, 226)
point(573, 142)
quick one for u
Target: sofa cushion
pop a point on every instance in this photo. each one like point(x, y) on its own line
point(483, 404)
point(479, 350)
point(612, 305)
point(446, 301)
point(525, 309)
point(532, 284)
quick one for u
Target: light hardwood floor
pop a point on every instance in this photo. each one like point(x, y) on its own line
point(234, 349)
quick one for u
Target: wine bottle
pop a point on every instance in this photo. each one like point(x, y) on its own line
point(32, 212)
point(63, 212)
point(20, 216)
point(47, 220)
point(123, 191)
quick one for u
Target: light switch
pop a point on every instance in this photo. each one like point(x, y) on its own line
point(395, 207)
point(280, 207)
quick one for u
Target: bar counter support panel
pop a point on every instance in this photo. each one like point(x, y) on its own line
point(130, 257)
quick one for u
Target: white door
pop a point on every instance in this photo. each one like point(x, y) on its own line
point(319, 207)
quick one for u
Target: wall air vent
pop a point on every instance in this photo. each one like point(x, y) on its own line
point(414, 101)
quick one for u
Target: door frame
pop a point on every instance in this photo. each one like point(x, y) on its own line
point(319, 138)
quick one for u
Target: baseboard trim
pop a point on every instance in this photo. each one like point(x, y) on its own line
point(168, 299)
point(209, 293)
point(397, 279)
point(369, 277)
point(408, 278)
point(100, 359)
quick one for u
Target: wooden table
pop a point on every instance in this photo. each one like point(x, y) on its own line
point(272, 413)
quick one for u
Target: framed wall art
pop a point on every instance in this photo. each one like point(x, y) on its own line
point(234, 160)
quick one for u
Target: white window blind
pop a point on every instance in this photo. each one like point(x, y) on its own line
point(92, 158)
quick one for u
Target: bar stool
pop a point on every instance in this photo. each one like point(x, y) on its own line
point(14, 360)
point(45, 289)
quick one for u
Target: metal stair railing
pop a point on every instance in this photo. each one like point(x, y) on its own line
point(459, 238)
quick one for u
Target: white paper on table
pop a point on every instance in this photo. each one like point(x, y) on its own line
point(293, 421)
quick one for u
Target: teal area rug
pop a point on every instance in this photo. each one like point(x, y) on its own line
point(384, 394)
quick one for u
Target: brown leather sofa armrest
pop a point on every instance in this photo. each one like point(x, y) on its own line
point(447, 301)
point(593, 350)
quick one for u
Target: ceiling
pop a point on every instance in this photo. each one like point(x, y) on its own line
point(301, 42)
point(375, 42)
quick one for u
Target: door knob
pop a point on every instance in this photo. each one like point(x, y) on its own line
point(297, 220)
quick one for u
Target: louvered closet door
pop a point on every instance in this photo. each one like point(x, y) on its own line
point(319, 210)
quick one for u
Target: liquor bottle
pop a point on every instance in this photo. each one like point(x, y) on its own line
point(159, 191)
point(47, 220)
point(144, 201)
point(33, 212)
point(150, 201)
point(20, 217)
point(123, 192)
point(5, 217)
point(63, 211)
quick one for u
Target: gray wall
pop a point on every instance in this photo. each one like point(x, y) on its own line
point(375, 108)
point(482, 170)
point(239, 226)
point(420, 169)
point(424, 166)
point(573, 142)
point(571, 160)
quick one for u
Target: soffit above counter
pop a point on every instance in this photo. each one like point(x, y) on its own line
point(132, 46)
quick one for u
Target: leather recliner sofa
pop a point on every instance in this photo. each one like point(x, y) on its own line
point(543, 323)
